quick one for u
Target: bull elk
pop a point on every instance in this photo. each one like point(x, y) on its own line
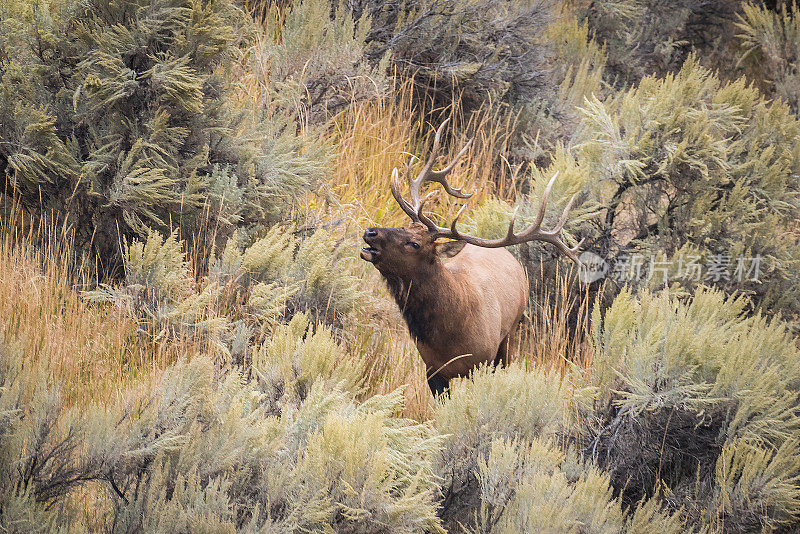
point(464, 311)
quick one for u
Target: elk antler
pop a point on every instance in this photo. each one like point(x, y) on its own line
point(427, 174)
point(532, 233)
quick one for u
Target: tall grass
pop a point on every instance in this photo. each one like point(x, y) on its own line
point(94, 351)
point(392, 361)
point(89, 350)
point(558, 325)
point(374, 137)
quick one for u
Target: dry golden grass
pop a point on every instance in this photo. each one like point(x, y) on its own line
point(392, 361)
point(87, 348)
point(93, 351)
point(374, 137)
point(557, 326)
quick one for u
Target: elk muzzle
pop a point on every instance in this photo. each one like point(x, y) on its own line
point(372, 252)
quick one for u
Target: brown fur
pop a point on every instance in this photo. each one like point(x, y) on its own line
point(462, 311)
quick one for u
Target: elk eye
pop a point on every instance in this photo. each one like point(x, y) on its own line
point(413, 245)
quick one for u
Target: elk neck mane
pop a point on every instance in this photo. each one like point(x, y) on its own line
point(427, 301)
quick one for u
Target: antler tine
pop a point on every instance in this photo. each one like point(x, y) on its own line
point(571, 253)
point(510, 233)
point(535, 227)
point(435, 149)
point(563, 219)
point(394, 185)
point(452, 232)
point(429, 175)
point(532, 233)
point(438, 176)
point(543, 207)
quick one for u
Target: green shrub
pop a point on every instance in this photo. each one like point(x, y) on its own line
point(533, 58)
point(291, 275)
point(318, 65)
point(296, 356)
point(158, 266)
point(537, 488)
point(508, 465)
point(771, 43)
point(118, 117)
point(687, 166)
point(510, 404)
point(41, 446)
point(703, 400)
point(233, 454)
point(551, 117)
point(322, 462)
point(159, 291)
point(473, 50)
point(246, 294)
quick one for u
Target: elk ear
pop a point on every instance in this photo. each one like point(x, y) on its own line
point(448, 249)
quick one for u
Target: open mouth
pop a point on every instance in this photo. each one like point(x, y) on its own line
point(370, 254)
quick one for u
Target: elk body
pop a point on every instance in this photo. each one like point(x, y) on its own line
point(462, 298)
